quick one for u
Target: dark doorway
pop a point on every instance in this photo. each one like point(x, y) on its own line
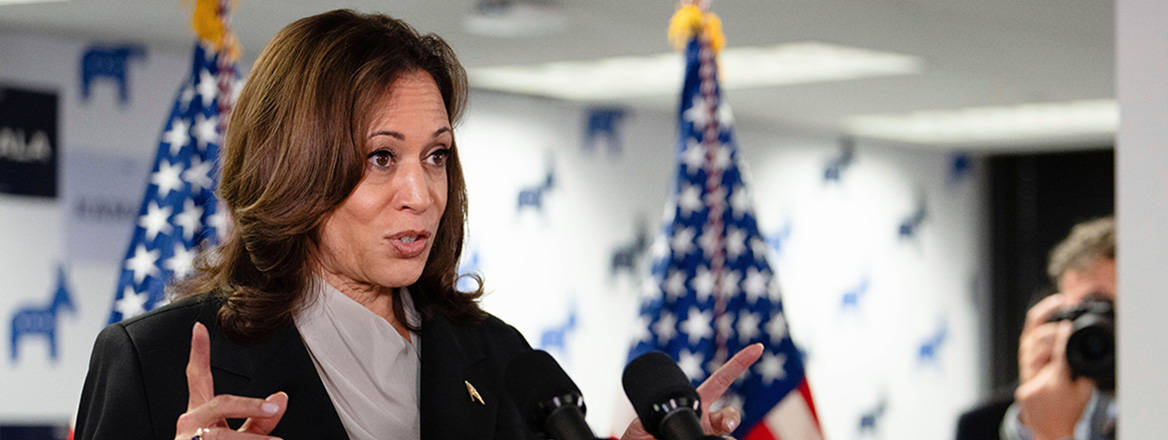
point(1034, 201)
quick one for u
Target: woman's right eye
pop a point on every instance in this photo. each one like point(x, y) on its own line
point(381, 158)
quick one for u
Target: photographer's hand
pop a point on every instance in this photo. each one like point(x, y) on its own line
point(1050, 401)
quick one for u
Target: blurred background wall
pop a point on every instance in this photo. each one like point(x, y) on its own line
point(905, 257)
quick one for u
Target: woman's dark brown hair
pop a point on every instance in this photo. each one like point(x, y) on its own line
point(294, 151)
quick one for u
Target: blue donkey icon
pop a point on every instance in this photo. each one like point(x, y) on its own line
point(109, 63)
point(42, 320)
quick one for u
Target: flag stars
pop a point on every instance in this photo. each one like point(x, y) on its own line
point(759, 248)
point(189, 219)
point(199, 175)
point(717, 197)
point(722, 157)
point(725, 116)
point(735, 242)
point(675, 284)
point(771, 368)
point(131, 303)
point(697, 325)
point(691, 200)
point(182, 263)
point(167, 178)
point(219, 221)
point(682, 241)
point(774, 289)
point(206, 130)
point(207, 86)
point(691, 364)
point(725, 325)
point(729, 285)
point(142, 263)
point(659, 249)
point(178, 136)
point(665, 328)
point(641, 330)
point(698, 113)
point(777, 328)
point(184, 98)
point(694, 155)
point(154, 222)
point(650, 287)
point(703, 284)
point(755, 285)
point(709, 242)
point(740, 201)
point(747, 326)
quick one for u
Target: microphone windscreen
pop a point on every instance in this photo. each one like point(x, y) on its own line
point(653, 378)
point(533, 377)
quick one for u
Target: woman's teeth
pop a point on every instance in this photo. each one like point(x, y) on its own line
point(408, 240)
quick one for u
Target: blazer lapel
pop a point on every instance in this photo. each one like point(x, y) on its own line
point(450, 361)
point(279, 363)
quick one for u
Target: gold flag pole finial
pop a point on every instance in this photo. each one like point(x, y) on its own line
point(209, 21)
point(693, 18)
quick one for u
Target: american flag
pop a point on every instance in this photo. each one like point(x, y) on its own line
point(712, 292)
point(180, 212)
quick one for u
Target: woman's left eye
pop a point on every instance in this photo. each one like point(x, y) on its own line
point(438, 157)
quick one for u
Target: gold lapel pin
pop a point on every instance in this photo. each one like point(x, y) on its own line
point(474, 394)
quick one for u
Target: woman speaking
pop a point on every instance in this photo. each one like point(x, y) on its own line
point(330, 310)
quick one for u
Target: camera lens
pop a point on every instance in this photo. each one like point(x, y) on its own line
point(1091, 349)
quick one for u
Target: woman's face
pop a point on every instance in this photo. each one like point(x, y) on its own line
point(381, 235)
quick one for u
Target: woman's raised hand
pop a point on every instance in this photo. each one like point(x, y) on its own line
point(207, 414)
point(720, 422)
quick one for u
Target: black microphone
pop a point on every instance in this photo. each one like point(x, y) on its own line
point(667, 404)
point(549, 401)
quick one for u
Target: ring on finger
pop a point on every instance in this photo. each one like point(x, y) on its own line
point(200, 432)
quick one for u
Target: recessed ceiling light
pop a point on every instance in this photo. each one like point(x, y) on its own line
point(741, 67)
point(991, 125)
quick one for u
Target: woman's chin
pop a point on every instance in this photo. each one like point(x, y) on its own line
point(399, 278)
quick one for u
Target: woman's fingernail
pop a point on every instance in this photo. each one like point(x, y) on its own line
point(731, 424)
point(270, 407)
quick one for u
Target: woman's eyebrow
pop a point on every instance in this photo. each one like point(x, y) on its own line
point(402, 137)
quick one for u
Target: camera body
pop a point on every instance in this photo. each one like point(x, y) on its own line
point(1091, 346)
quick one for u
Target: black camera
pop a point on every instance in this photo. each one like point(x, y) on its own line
point(1091, 346)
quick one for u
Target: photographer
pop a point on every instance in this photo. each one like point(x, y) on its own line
point(1054, 401)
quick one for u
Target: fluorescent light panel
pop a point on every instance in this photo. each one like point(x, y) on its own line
point(741, 67)
point(1033, 121)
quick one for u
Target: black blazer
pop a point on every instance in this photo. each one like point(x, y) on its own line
point(136, 386)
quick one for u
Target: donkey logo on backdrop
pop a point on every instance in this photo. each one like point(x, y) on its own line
point(626, 256)
point(775, 241)
point(852, 297)
point(930, 347)
point(556, 337)
point(960, 167)
point(109, 62)
point(869, 424)
point(603, 124)
point(532, 196)
point(911, 225)
point(28, 321)
point(836, 166)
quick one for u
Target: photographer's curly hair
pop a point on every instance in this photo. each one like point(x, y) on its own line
point(294, 151)
point(1088, 242)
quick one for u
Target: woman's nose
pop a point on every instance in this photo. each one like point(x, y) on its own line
point(413, 188)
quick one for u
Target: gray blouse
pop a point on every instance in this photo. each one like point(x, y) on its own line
point(369, 370)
